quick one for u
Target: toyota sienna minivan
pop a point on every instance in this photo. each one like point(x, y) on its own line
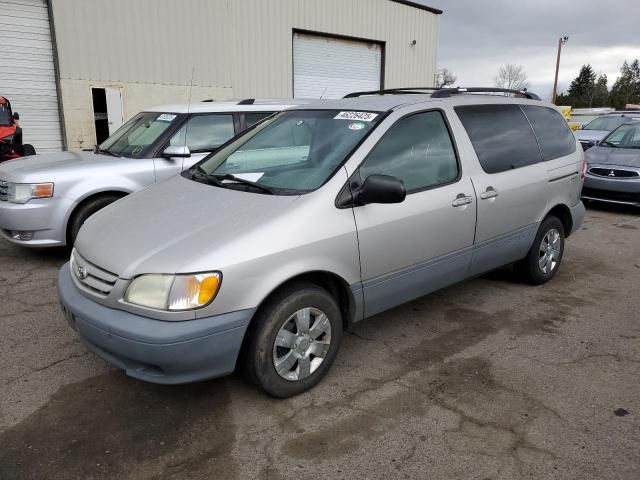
point(263, 253)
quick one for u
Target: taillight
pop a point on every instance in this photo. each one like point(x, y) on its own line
point(583, 173)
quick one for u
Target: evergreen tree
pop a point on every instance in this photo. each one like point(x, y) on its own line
point(582, 89)
point(626, 89)
point(601, 92)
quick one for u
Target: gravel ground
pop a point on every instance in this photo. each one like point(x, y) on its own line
point(489, 379)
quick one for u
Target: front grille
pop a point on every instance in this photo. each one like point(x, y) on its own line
point(613, 172)
point(4, 190)
point(596, 193)
point(91, 277)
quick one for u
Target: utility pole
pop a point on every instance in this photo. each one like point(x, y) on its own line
point(554, 94)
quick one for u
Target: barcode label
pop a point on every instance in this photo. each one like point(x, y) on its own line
point(362, 116)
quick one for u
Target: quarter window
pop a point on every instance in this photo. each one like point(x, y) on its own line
point(205, 132)
point(418, 150)
point(501, 136)
point(551, 130)
point(253, 118)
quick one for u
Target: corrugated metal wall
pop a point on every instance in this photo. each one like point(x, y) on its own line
point(27, 75)
point(245, 45)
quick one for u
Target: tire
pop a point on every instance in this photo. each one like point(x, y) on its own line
point(84, 212)
point(535, 269)
point(286, 311)
point(17, 137)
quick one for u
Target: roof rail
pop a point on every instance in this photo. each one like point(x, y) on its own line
point(208, 100)
point(247, 101)
point(447, 92)
point(393, 91)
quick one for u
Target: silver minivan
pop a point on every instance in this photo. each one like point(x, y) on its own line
point(262, 254)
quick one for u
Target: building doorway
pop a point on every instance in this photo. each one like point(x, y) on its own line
point(107, 112)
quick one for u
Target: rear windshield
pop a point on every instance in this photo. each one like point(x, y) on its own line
point(294, 152)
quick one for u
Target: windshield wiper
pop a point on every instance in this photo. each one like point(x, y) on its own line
point(243, 181)
point(105, 152)
point(609, 144)
point(212, 179)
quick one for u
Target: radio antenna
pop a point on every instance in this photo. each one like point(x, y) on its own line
point(186, 127)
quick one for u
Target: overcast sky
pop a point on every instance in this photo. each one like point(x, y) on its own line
point(479, 36)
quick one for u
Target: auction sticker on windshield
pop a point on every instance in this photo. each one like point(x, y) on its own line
point(166, 117)
point(362, 116)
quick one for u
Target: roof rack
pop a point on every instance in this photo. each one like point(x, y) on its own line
point(442, 92)
point(247, 101)
point(393, 91)
point(447, 92)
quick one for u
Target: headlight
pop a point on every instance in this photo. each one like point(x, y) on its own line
point(23, 192)
point(174, 292)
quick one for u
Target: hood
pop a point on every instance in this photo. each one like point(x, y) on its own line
point(623, 157)
point(159, 229)
point(591, 135)
point(37, 167)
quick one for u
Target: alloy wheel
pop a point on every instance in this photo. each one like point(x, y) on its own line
point(302, 344)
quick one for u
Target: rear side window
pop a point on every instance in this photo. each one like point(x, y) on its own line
point(551, 129)
point(501, 136)
point(418, 150)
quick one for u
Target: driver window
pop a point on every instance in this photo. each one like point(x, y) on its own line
point(204, 133)
point(418, 150)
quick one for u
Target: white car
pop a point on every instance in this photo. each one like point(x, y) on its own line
point(45, 199)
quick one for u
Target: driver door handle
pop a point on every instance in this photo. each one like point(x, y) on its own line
point(490, 192)
point(461, 200)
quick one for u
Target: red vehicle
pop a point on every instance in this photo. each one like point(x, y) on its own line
point(11, 145)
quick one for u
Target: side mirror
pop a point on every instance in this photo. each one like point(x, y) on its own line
point(176, 151)
point(16, 116)
point(381, 189)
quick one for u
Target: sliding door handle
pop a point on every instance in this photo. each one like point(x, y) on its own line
point(461, 200)
point(490, 192)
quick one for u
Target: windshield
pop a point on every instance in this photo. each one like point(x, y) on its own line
point(625, 136)
point(5, 117)
point(133, 138)
point(294, 152)
point(606, 123)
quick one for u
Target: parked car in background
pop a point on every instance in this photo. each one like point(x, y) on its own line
point(45, 199)
point(598, 128)
point(613, 167)
point(319, 217)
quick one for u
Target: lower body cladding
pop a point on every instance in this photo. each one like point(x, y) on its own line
point(611, 186)
point(166, 352)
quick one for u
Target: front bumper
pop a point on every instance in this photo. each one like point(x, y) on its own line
point(624, 191)
point(166, 352)
point(42, 220)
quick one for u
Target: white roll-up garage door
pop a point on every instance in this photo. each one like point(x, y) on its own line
point(27, 76)
point(326, 67)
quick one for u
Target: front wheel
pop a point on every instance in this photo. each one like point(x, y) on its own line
point(294, 340)
point(544, 258)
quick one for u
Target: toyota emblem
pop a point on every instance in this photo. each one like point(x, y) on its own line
point(82, 273)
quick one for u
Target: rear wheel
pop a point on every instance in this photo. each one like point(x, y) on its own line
point(84, 212)
point(294, 340)
point(544, 258)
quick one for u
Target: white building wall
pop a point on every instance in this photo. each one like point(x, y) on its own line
point(235, 48)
